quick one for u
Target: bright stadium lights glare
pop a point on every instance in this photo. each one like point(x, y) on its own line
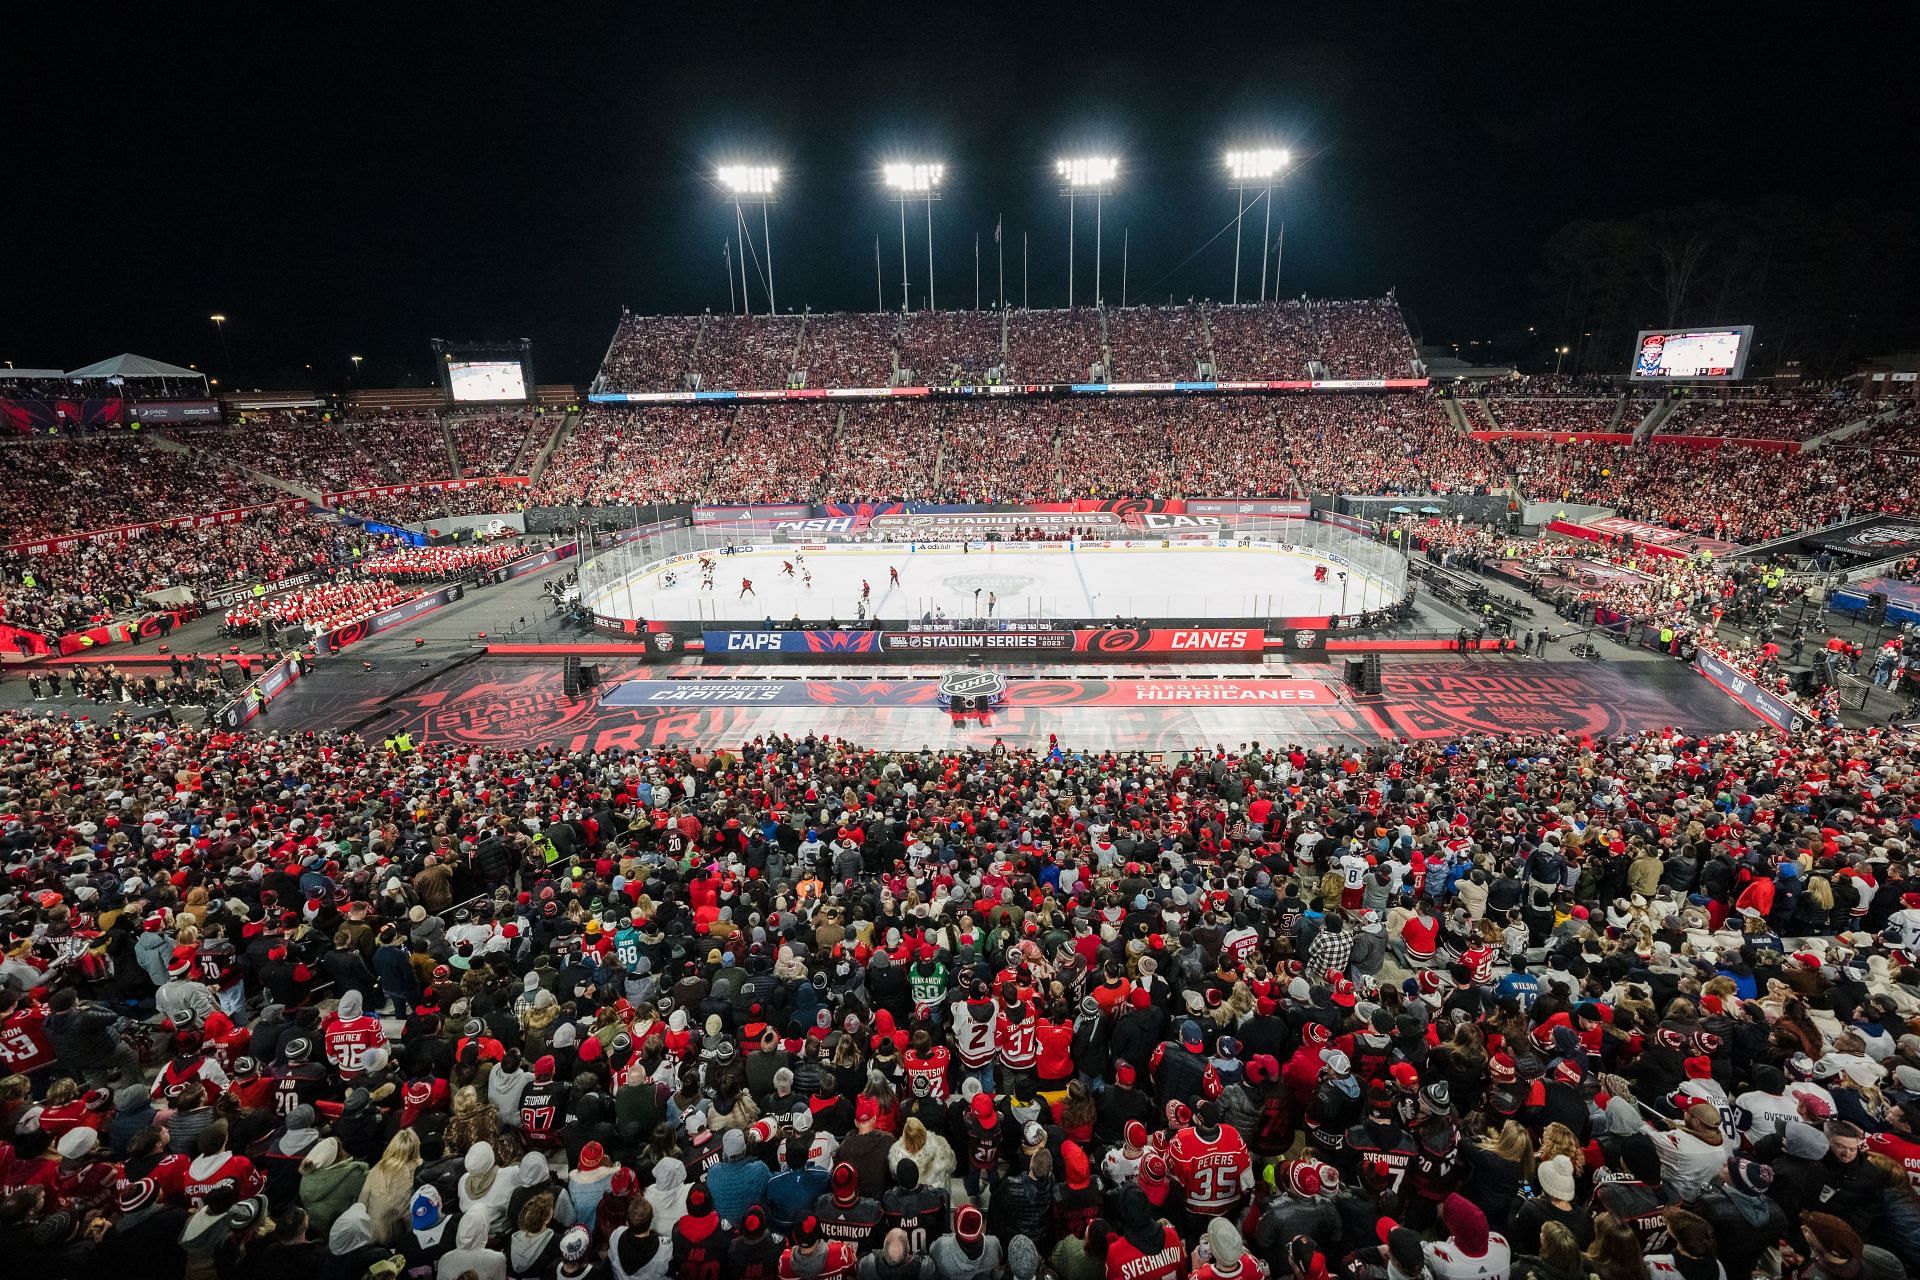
point(913, 177)
point(1088, 171)
point(749, 179)
point(1257, 165)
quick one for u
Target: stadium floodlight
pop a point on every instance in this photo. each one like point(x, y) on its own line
point(1256, 167)
point(919, 180)
point(752, 184)
point(220, 327)
point(749, 179)
point(913, 177)
point(1086, 173)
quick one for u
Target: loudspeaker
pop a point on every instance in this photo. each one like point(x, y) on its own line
point(1357, 673)
point(1370, 674)
point(572, 680)
point(590, 675)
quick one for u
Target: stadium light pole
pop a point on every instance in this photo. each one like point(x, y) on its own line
point(921, 180)
point(356, 368)
point(1254, 168)
point(752, 184)
point(220, 328)
point(1559, 355)
point(1085, 173)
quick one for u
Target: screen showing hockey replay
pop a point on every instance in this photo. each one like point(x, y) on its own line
point(1676, 354)
point(487, 380)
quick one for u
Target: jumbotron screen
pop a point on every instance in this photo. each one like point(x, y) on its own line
point(1671, 355)
point(487, 380)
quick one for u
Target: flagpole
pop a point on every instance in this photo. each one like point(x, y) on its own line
point(1126, 239)
point(1023, 270)
point(976, 271)
point(726, 257)
point(1000, 252)
point(879, 292)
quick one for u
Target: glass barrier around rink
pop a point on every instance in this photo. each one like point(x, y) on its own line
point(660, 575)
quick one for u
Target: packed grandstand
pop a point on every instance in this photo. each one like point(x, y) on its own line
point(300, 1001)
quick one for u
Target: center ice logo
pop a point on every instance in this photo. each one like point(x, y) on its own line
point(1001, 584)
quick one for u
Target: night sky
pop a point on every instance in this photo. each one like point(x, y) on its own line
point(366, 183)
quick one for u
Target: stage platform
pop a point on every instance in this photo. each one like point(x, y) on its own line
point(494, 702)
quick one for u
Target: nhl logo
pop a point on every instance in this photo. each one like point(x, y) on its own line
point(972, 684)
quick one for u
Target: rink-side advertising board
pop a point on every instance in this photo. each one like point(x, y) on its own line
point(1232, 643)
point(1038, 692)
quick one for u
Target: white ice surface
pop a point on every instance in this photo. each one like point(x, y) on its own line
point(1030, 580)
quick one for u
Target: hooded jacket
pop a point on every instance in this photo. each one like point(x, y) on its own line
point(470, 1252)
point(326, 1193)
point(485, 1191)
point(668, 1195)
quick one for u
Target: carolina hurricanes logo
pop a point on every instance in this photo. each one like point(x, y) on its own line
point(1123, 640)
point(1305, 639)
point(349, 634)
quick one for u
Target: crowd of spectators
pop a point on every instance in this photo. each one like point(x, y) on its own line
point(746, 352)
point(109, 686)
point(1763, 416)
point(1558, 414)
point(89, 583)
point(424, 506)
point(946, 347)
point(1734, 493)
point(885, 450)
point(1153, 344)
point(849, 349)
point(1000, 451)
point(1381, 444)
point(16, 387)
point(772, 453)
point(315, 610)
point(1262, 341)
point(1022, 450)
point(1270, 340)
point(1534, 386)
point(490, 444)
point(650, 353)
point(408, 447)
point(60, 486)
point(439, 564)
point(1633, 1008)
point(621, 456)
point(1053, 346)
point(1363, 338)
point(305, 449)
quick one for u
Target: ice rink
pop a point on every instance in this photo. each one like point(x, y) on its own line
point(1018, 580)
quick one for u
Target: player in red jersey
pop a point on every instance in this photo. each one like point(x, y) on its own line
point(189, 1179)
point(1146, 1248)
point(1226, 1255)
point(349, 1034)
point(893, 576)
point(25, 1045)
point(813, 1257)
point(1211, 1162)
point(925, 1060)
point(746, 588)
